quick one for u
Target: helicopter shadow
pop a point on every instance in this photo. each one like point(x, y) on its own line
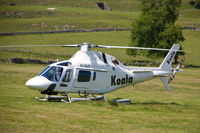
point(114, 103)
point(154, 103)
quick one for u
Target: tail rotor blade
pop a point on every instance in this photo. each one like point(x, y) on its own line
point(179, 64)
point(181, 61)
point(171, 78)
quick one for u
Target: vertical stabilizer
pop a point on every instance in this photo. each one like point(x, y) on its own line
point(167, 62)
point(164, 80)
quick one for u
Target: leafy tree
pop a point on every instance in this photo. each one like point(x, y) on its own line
point(156, 27)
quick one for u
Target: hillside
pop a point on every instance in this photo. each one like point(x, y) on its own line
point(35, 16)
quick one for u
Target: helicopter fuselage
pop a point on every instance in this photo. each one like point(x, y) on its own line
point(88, 72)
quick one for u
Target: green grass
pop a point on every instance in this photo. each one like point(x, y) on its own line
point(189, 16)
point(153, 108)
point(191, 46)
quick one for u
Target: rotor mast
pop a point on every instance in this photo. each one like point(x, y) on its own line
point(85, 46)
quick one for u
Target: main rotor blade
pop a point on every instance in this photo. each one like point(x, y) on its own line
point(75, 45)
point(16, 46)
point(89, 46)
point(21, 46)
point(102, 46)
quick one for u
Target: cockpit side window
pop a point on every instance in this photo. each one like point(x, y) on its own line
point(67, 76)
point(53, 73)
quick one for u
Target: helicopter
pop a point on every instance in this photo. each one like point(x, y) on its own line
point(92, 72)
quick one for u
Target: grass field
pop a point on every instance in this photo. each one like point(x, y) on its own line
point(153, 108)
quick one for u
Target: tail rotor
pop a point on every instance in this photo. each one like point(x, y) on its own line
point(177, 69)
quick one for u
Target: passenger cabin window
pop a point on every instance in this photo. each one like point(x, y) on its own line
point(84, 76)
point(67, 76)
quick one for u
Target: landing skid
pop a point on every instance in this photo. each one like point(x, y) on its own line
point(50, 98)
point(84, 99)
point(61, 98)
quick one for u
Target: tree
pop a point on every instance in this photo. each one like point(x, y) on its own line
point(156, 27)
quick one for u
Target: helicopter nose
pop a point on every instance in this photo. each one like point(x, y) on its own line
point(38, 83)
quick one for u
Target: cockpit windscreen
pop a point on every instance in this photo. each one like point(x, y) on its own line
point(53, 73)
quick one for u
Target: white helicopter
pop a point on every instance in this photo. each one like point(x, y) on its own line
point(92, 72)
